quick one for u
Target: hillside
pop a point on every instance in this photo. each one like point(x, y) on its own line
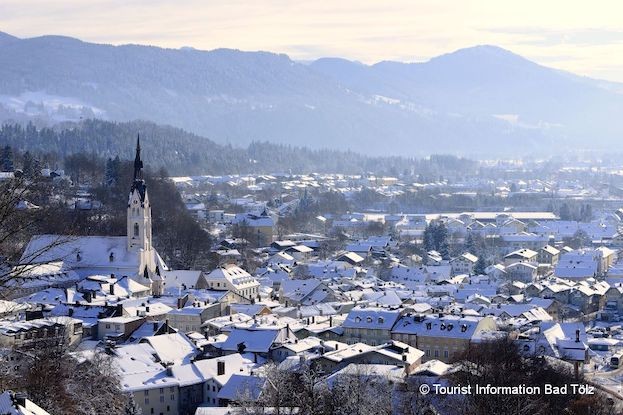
point(183, 153)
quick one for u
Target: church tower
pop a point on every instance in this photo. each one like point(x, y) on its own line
point(139, 209)
point(139, 240)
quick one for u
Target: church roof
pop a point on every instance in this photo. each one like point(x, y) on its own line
point(86, 252)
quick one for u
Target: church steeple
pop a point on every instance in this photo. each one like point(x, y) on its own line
point(139, 209)
point(138, 183)
point(138, 163)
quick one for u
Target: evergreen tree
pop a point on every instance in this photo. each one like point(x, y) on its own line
point(429, 242)
point(440, 236)
point(31, 167)
point(7, 159)
point(131, 407)
point(108, 175)
point(444, 249)
point(565, 212)
point(480, 266)
point(469, 244)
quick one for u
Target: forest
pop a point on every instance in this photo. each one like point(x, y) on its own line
point(184, 153)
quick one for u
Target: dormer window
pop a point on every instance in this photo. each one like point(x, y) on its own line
point(381, 320)
point(369, 319)
point(78, 257)
point(111, 257)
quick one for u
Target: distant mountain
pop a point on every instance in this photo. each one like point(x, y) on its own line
point(481, 100)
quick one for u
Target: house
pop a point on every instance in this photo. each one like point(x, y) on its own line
point(579, 264)
point(118, 328)
point(183, 280)
point(440, 337)
point(40, 332)
point(463, 264)
point(548, 255)
point(351, 258)
point(521, 255)
point(614, 300)
point(233, 278)
point(390, 353)
point(369, 325)
point(192, 317)
point(305, 292)
point(259, 341)
point(521, 271)
point(260, 226)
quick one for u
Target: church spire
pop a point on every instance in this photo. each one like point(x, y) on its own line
point(138, 163)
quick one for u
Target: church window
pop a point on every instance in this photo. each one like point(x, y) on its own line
point(136, 229)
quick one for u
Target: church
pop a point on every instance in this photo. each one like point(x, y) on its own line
point(132, 255)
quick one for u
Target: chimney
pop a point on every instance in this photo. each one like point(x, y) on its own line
point(220, 368)
point(20, 399)
point(111, 288)
point(147, 309)
point(330, 321)
point(577, 336)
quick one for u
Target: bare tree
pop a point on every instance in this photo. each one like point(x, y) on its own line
point(19, 222)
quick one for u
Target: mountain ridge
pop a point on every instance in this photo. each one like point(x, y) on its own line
point(475, 100)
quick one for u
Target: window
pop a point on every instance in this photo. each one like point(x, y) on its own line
point(146, 393)
point(146, 401)
point(436, 353)
point(162, 399)
point(172, 397)
point(445, 354)
point(136, 229)
point(161, 391)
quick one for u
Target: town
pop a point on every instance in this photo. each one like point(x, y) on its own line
point(300, 300)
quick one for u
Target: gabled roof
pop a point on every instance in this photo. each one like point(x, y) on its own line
point(251, 340)
point(371, 318)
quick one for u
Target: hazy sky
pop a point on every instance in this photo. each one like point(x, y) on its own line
point(585, 37)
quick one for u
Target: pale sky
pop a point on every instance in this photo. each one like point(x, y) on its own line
point(584, 37)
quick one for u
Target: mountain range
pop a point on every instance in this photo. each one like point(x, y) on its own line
point(482, 100)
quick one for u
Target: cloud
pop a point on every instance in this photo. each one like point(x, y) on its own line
point(539, 36)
